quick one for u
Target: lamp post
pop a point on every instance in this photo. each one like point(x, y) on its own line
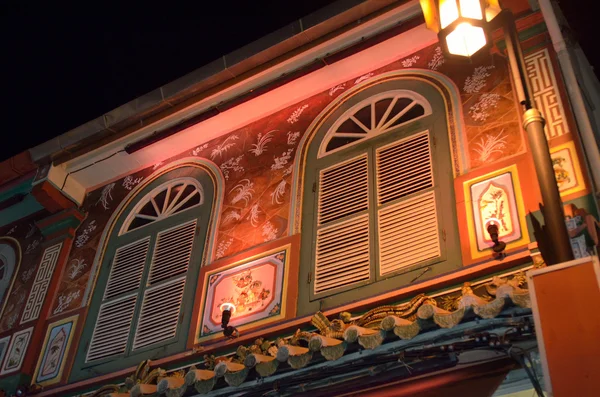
point(463, 28)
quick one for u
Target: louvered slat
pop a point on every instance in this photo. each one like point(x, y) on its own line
point(342, 254)
point(172, 253)
point(160, 313)
point(343, 190)
point(404, 168)
point(127, 268)
point(408, 233)
point(112, 328)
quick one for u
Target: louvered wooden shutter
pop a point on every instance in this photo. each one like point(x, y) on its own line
point(113, 324)
point(127, 268)
point(407, 217)
point(159, 314)
point(112, 328)
point(342, 246)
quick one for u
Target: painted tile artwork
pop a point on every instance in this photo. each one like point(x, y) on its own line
point(16, 351)
point(566, 169)
point(255, 288)
point(493, 200)
point(56, 344)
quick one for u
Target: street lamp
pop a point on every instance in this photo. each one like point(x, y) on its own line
point(463, 28)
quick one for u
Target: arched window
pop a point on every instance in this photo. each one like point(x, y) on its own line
point(378, 199)
point(148, 273)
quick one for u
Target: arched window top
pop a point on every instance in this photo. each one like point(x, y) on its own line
point(163, 201)
point(373, 116)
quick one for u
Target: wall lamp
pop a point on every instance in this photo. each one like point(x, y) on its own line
point(229, 331)
point(499, 246)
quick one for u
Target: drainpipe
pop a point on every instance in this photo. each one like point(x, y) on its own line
point(586, 131)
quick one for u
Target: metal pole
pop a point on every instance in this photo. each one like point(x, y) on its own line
point(533, 122)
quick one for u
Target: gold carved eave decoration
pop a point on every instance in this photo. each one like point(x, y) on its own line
point(331, 339)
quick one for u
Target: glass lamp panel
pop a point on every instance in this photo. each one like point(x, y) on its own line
point(471, 9)
point(448, 12)
point(466, 40)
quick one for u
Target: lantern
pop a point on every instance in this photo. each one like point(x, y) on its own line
point(462, 25)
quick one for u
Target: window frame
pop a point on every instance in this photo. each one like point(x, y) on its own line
point(203, 214)
point(437, 125)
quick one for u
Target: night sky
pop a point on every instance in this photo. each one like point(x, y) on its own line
point(65, 63)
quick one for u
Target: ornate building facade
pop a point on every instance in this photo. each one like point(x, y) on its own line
point(333, 198)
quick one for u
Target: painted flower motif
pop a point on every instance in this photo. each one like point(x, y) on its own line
point(85, 235)
point(231, 216)
point(480, 111)
point(337, 88)
point(254, 215)
point(269, 231)
point(244, 191)
point(476, 82)
point(11, 320)
point(129, 182)
point(292, 137)
point(31, 231)
point(64, 301)
point(260, 147)
point(223, 247)
point(12, 230)
point(213, 279)
point(277, 195)
point(26, 275)
point(106, 196)
point(489, 145)
point(233, 164)
point(408, 62)
point(157, 165)
point(200, 148)
point(76, 268)
point(282, 160)
point(223, 147)
point(275, 310)
point(437, 60)
point(363, 78)
point(296, 114)
point(32, 246)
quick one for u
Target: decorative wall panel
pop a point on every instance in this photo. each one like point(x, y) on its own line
point(57, 341)
point(16, 351)
point(567, 169)
point(257, 285)
point(495, 198)
point(546, 94)
point(41, 282)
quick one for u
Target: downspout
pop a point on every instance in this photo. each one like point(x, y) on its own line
point(586, 131)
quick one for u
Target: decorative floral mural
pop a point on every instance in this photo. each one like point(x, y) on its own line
point(257, 162)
